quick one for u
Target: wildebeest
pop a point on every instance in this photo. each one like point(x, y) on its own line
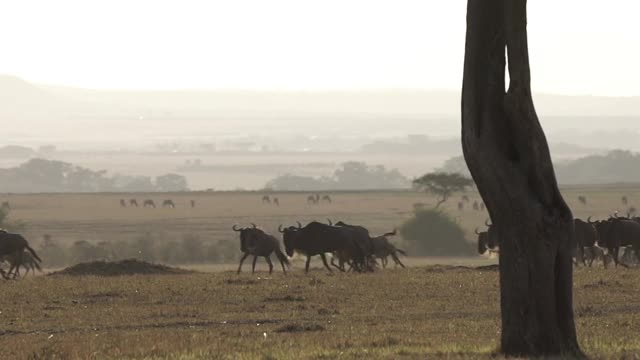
point(326, 198)
point(318, 239)
point(311, 199)
point(365, 243)
point(123, 203)
point(193, 203)
point(266, 199)
point(254, 241)
point(488, 240)
point(624, 200)
point(133, 202)
point(28, 262)
point(586, 237)
point(14, 245)
point(149, 203)
point(476, 206)
point(617, 232)
point(383, 248)
point(276, 202)
point(168, 203)
point(460, 206)
point(582, 199)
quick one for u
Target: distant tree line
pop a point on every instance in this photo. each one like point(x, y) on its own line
point(352, 175)
point(616, 166)
point(41, 175)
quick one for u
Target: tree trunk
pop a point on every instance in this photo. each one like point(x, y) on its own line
point(508, 156)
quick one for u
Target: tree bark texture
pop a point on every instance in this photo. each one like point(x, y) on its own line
point(507, 153)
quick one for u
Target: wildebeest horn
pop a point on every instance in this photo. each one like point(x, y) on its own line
point(589, 220)
point(254, 225)
point(476, 231)
point(280, 228)
point(330, 223)
point(299, 225)
point(235, 229)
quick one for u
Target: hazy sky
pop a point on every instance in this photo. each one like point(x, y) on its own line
point(577, 46)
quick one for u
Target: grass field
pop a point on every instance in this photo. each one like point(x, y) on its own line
point(425, 311)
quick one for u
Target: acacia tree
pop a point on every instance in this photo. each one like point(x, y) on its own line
point(508, 156)
point(442, 184)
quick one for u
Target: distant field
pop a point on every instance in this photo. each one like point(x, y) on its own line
point(99, 217)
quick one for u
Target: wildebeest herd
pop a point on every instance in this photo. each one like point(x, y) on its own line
point(167, 203)
point(599, 240)
point(351, 246)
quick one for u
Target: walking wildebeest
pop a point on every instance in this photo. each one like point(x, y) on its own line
point(586, 237)
point(488, 240)
point(14, 245)
point(624, 200)
point(123, 203)
point(28, 262)
point(311, 199)
point(168, 203)
point(193, 203)
point(133, 202)
point(327, 198)
point(256, 242)
point(266, 199)
point(276, 202)
point(383, 248)
point(149, 203)
point(318, 239)
point(617, 232)
point(582, 199)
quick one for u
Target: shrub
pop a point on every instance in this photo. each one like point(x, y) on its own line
point(432, 232)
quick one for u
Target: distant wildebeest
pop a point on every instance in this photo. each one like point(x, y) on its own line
point(266, 199)
point(256, 242)
point(624, 200)
point(193, 203)
point(133, 202)
point(276, 201)
point(149, 203)
point(460, 205)
point(123, 203)
point(582, 199)
point(618, 232)
point(326, 198)
point(28, 262)
point(168, 203)
point(476, 206)
point(465, 198)
point(586, 237)
point(311, 199)
point(318, 239)
point(14, 245)
point(383, 248)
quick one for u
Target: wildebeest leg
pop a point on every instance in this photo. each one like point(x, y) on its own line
point(253, 267)
point(270, 264)
point(395, 258)
point(306, 267)
point(241, 260)
point(384, 262)
point(324, 261)
point(616, 259)
point(284, 270)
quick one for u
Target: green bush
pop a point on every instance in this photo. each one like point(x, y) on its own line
point(432, 232)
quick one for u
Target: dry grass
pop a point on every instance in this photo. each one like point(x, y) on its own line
point(417, 313)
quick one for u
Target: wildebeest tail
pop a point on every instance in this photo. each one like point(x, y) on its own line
point(33, 252)
point(282, 257)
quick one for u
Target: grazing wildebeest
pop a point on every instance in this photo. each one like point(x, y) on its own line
point(383, 248)
point(133, 202)
point(168, 203)
point(318, 239)
point(276, 202)
point(617, 232)
point(123, 203)
point(28, 262)
point(582, 199)
point(149, 203)
point(256, 242)
point(326, 198)
point(624, 200)
point(476, 206)
point(193, 203)
point(460, 206)
point(465, 198)
point(14, 245)
point(266, 199)
point(586, 237)
point(311, 199)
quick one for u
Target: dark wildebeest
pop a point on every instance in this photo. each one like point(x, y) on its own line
point(318, 239)
point(383, 248)
point(193, 203)
point(624, 200)
point(327, 198)
point(256, 242)
point(123, 203)
point(133, 202)
point(586, 237)
point(488, 240)
point(28, 262)
point(14, 245)
point(311, 199)
point(266, 199)
point(460, 206)
point(617, 232)
point(168, 203)
point(276, 202)
point(476, 206)
point(582, 199)
point(365, 242)
point(149, 203)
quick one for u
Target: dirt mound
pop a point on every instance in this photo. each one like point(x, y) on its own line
point(118, 268)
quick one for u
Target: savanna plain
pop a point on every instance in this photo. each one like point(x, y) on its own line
point(435, 308)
